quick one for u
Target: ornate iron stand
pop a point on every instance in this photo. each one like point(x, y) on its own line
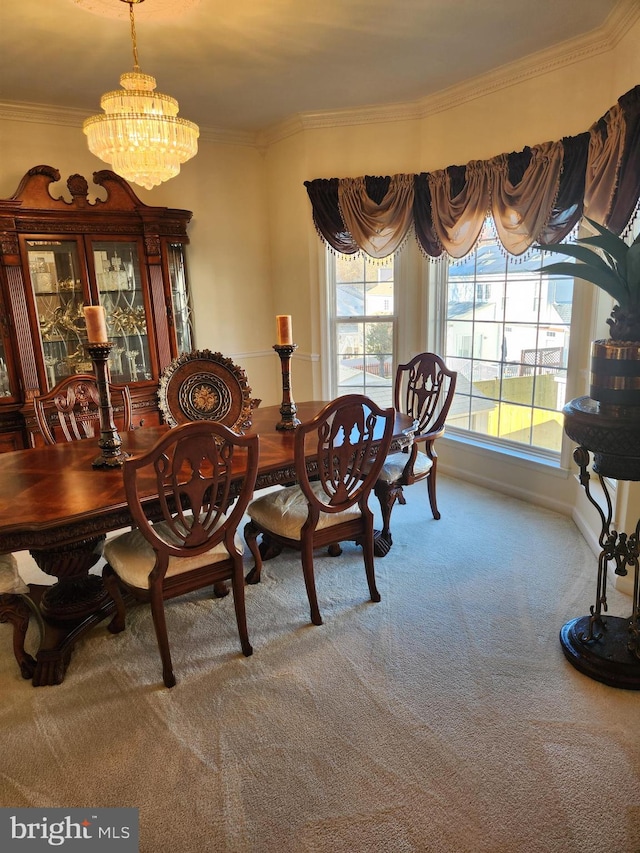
point(112, 455)
point(288, 408)
point(606, 648)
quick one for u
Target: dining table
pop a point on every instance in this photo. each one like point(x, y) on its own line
point(55, 505)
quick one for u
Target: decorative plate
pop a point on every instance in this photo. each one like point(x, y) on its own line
point(205, 386)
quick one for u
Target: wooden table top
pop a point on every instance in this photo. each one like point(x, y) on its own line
point(52, 496)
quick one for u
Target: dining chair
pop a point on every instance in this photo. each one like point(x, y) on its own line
point(347, 441)
point(205, 385)
point(424, 389)
point(71, 410)
point(195, 469)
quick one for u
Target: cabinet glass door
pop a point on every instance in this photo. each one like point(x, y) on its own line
point(54, 270)
point(5, 382)
point(6, 373)
point(117, 268)
point(181, 303)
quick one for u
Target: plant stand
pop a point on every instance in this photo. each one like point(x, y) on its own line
point(606, 648)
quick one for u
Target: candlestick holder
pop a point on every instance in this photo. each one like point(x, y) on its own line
point(288, 408)
point(112, 455)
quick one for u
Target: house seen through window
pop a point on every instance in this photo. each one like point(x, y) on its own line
point(507, 335)
point(364, 327)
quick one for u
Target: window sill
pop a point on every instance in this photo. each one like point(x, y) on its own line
point(519, 458)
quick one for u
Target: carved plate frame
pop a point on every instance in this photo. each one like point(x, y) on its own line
point(205, 385)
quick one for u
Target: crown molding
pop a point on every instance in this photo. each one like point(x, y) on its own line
point(41, 114)
point(73, 117)
point(374, 114)
point(228, 137)
point(569, 52)
point(605, 38)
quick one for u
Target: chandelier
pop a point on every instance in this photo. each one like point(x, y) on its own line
point(140, 134)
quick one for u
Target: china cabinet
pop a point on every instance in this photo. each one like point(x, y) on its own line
point(61, 250)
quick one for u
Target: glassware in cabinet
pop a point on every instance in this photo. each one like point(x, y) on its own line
point(121, 293)
point(59, 299)
point(180, 298)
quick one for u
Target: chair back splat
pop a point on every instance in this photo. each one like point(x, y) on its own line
point(71, 410)
point(424, 390)
point(181, 495)
point(338, 457)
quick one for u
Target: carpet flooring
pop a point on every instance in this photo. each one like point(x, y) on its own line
point(444, 719)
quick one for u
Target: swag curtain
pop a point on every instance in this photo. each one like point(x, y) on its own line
point(534, 195)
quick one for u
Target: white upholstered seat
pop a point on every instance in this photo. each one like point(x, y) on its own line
point(395, 464)
point(133, 558)
point(285, 511)
point(17, 607)
point(10, 581)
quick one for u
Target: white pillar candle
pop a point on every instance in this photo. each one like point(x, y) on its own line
point(96, 324)
point(285, 332)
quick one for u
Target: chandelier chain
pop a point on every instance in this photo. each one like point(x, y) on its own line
point(136, 66)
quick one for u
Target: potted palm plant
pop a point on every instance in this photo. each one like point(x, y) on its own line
point(614, 266)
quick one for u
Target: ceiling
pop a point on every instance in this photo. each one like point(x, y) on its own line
point(249, 64)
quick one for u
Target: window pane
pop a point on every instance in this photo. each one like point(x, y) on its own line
point(488, 339)
point(349, 300)
point(379, 270)
point(464, 367)
point(522, 299)
point(550, 389)
point(485, 376)
point(514, 422)
point(521, 344)
point(518, 389)
point(459, 339)
point(348, 269)
point(547, 429)
point(350, 340)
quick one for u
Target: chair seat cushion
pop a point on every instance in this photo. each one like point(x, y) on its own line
point(132, 557)
point(285, 511)
point(395, 463)
point(10, 580)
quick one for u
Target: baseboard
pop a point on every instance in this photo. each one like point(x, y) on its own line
point(521, 493)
